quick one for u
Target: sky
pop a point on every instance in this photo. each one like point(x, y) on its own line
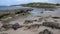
point(12, 2)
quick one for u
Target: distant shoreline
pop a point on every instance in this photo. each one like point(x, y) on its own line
point(39, 5)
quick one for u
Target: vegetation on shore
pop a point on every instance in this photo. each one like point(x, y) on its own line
point(38, 4)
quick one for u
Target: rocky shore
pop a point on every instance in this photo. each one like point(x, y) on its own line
point(12, 23)
point(8, 14)
point(32, 26)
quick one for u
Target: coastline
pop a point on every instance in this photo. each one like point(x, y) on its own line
point(21, 20)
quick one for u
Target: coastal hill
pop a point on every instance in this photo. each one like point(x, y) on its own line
point(38, 4)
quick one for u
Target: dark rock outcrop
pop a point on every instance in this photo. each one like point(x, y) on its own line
point(51, 24)
point(9, 13)
point(16, 26)
point(56, 17)
point(46, 31)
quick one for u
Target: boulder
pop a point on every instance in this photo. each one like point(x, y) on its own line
point(46, 31)
point(16, 26)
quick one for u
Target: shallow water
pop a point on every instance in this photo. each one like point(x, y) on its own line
point(3, 8)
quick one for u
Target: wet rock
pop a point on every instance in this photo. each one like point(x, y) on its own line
point(34, 26)
point(16, 26)
point(28, 21)
point(56, 17)
point(46, 31)
point(52, 25)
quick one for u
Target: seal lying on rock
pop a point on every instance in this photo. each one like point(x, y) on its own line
point(51, 24)
point(46, 31)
